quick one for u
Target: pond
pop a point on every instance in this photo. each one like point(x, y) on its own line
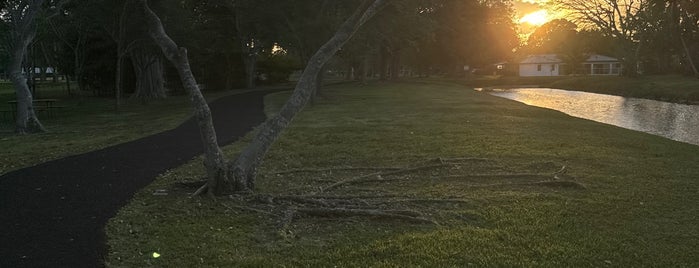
point(678, 122)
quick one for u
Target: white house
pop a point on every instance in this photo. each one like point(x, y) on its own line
point(552, 65)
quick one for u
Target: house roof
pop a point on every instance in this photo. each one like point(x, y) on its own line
point(553, 58)
point(541, 58)
point(597, 58)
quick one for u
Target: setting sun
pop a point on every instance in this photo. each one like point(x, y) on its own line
point(536, 18)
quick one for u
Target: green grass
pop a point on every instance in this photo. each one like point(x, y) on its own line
point(638, 207)
point(672, 88)
point(85, 124)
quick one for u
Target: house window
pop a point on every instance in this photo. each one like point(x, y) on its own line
point(602, 68)
point(538, 68)
point(553, 67)
point(616, 68)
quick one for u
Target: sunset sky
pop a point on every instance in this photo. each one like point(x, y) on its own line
point(532, 14)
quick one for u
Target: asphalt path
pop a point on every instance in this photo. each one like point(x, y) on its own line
point(54, 214)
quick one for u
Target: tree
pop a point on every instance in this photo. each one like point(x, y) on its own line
point(615, 18)
point(240, 174)
point(552, 36)
point(308, 24)
point(21, 16)
point(73, 29)
point(689, 30)
point(467, 33)
point(561, 37)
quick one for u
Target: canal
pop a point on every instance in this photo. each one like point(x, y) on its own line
point(678, 122)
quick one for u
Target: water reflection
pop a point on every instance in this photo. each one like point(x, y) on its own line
point(679, 122)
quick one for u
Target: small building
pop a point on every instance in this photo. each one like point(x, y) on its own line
point(553, 65)
point(540, 65)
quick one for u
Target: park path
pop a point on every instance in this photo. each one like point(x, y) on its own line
point(53, 214)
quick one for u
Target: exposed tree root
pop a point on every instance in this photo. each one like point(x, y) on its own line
point(380, 204)
point(285, 221)
point(318, 170)
point(551, 184)
point(232, 207)
point(428, 200)
point(350, 197)
point(559, 175)
point(511, 175)
point(411, 216)
point(202, 190)
point(463, 159)
point(192, 184)
point(364, 178)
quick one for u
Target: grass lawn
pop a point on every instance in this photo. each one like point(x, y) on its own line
point(673, 88)
point(85, 124)
point(628, 199)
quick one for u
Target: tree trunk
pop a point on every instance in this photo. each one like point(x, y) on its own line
point(250, 61)
point(26, 120)
point(23, 31)
point(383, 63)
point(67, 78)
point(214, 161)
point(244, 169)
point(365, 69)
point(148, 67)
point(78, 73)
point(230, 81)
point(118, 80)
point(689, 57)
point(395, 67)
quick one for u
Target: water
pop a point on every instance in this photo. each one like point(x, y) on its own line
point(678, 122)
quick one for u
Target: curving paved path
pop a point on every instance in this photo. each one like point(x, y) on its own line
point(53, 214)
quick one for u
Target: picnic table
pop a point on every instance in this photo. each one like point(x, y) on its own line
point(40, 105)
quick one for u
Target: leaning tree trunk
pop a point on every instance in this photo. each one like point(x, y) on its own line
point(244, 168)
point(148, 67)
point(26, 120)
point(214, 160)
point(22, 34)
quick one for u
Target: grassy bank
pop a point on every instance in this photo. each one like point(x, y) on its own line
point(626, 199)
point(85, 123)
point(672, 88)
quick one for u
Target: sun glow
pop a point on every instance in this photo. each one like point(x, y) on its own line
point(536, 18)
